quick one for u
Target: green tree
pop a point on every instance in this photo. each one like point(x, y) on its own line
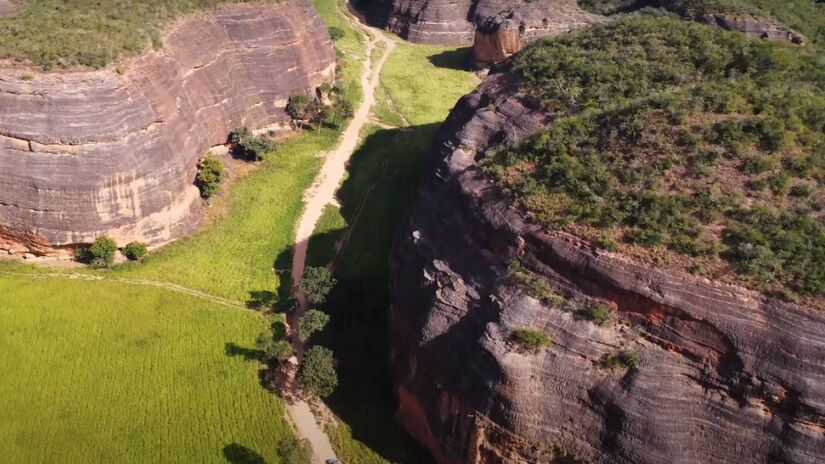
point(209, 177)
point(317, 374)
point(295, 451)
point(316, 284)
point(100, 254)
point(311, 322)
point(135, 251)
point(279, 350)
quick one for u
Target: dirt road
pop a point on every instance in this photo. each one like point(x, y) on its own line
point(316, 198)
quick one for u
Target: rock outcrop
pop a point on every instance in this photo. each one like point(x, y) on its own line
point(115, 151)
point(726, 375)
point(503, 23)
point(6, 7)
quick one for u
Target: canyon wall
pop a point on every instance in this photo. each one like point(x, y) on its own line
point(115, 151)
point(726, 375)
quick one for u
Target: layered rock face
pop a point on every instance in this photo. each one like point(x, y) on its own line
point(116, 151)
point(455, 22)
point(501, 34)
point(726, 375)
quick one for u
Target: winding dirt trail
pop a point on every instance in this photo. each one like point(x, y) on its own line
point(316, 198)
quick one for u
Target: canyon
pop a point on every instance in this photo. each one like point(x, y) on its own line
point(115, 151)
point(725, 374)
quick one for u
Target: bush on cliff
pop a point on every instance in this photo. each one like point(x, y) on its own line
point(100, 254)
point(317, 374)
point(303, 109)
point(209, 177)
point(134, 251)
point(531, 339)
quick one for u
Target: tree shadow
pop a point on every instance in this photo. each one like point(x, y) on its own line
point(250, 354)
point(239, 454)
point(383, 175)
point(458, 59)
point(262, 300)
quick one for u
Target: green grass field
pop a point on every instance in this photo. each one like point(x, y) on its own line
point(109, 372)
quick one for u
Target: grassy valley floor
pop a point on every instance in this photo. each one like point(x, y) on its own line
point(98, 371)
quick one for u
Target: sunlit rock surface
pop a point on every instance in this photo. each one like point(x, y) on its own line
point(726, 375)
point(115, 151)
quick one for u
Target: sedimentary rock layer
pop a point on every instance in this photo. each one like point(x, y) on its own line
point(115, 151)
point(726, 375)
point(455, 21)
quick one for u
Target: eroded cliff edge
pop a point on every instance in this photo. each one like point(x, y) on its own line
point(116, 151)
point(726, 374)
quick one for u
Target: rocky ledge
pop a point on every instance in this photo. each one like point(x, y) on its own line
point(725, 375)
point(115, 151)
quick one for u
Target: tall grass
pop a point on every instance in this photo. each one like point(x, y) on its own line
point(109, 372)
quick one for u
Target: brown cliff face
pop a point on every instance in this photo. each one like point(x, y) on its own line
point(726, 375)
point(6, 7)
point(115, 151)
point(456, 22)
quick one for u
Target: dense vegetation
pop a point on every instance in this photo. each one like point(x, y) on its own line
point(805, 16)
point(66, 33)
point(704, 147)
point(531, 339)
point(209, 177)
point(100, 254)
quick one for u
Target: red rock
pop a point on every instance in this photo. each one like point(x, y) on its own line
point(115, 151)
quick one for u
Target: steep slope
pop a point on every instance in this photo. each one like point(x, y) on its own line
point(115, 151)
point(646, 363)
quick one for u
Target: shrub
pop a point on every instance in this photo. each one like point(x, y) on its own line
point(311, 322)
point(317, 375)
point(295, 451)
point(316, 284)
point(600, 313)
point(279, 350)
point(239, 134)
point(301, 108)
point(531, 339)
point(134, 251)
point(626, 358)
point(100, 254)
point(336, 33)
point(209, 177)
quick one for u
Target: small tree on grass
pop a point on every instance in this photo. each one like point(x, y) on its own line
point(316, 284)
point(210, 175)
point(134, 251)
point(248, 146)
point(336, 33)
point(295, 451)
point(279, 350)
point(317, 374)
point(311, 322)
point(531, 339)
point(100, 254)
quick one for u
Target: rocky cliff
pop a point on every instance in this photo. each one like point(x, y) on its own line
point(115, 151)
point(451, 22)
point(726, 375)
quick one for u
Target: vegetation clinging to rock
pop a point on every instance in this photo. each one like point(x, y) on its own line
point(209, 177)
point(100, 254)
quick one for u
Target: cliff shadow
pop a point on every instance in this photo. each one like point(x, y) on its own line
point(235, 453)
point(383, 175)
point(459, 59)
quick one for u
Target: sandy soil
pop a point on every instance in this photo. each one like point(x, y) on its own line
point(316, 198)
